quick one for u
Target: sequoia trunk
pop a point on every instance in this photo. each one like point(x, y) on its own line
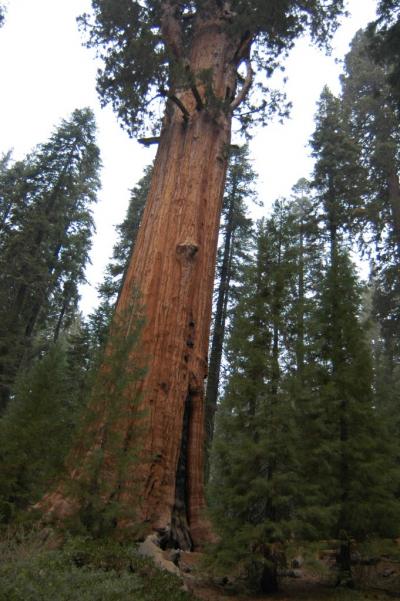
point(172, 268)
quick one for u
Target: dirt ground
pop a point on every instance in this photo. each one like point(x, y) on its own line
point(379, 581)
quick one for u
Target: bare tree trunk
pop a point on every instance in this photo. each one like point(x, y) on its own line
point(214, 368)
point(173, 269)
point(394, 198)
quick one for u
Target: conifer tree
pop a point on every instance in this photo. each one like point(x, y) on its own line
point(353, 446)
point(47, 227)
point(384, 40)
point(185, 56)
point(375, 124)
point(253, 481)
point(36, 429)
point(308, 249)
point(11, 177)
point(235, 230)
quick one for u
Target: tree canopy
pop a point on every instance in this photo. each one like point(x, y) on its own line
point(146, 48)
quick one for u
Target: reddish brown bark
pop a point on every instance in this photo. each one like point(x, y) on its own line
point(173, 268)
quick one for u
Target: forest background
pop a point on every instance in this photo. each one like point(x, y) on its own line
point(305, 442)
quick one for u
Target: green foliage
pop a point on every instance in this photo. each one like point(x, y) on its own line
point(253, 482)
point(146, 47)
point(110, 456)
point(384, 35)
point(353, 448)
point(353, 461)
point(339, 175)
point(92, 571)
point(301, 450)
point(375, 124)
point(36, 431)
point(235, 231)
point(47, 227)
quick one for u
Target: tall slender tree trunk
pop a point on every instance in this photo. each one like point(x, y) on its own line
point(172, 267)
point(300, 304)
point(214, 369)
point(394, 198)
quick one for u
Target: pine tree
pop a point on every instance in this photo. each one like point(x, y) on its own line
point(375, 123)
point(185, 56)
point(235, 230)
point(11, 196)
point(384, 40)
point(253, 481)
point(47, 226)
point(36, 429)
point(361, 497)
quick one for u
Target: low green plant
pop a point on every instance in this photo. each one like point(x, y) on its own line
point(84, 569)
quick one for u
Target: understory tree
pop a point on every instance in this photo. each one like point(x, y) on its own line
point(196, 60)
point(254, 484)
point(36, 428)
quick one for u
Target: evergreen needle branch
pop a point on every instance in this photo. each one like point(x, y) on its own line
point(245, 88)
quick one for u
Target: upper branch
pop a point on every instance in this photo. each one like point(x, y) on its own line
point(245, 88)
point(171, 29)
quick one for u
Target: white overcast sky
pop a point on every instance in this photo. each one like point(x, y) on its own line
point(45, 73)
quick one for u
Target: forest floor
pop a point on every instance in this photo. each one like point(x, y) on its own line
point(298, 591)
point(33, 569)
point(377, 578)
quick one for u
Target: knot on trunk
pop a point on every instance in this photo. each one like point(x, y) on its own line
point(187, 250)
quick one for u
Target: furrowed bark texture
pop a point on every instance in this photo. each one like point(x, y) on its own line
point(173, 269)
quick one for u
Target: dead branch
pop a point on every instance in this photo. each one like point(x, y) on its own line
point(245, 88)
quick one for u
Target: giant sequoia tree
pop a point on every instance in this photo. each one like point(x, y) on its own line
point(186, 56)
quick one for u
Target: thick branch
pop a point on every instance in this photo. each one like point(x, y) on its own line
point(180, 105)
point(196, 94)
point(245, 88)
point(171, 29)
